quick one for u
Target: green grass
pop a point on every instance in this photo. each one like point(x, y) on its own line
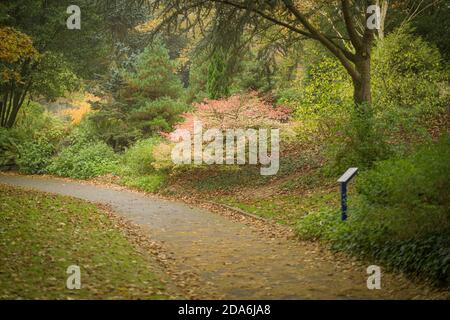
point(286, 209)
point(41, 235)
point(147, 183)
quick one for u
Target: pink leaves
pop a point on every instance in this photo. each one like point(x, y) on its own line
point(238, 111)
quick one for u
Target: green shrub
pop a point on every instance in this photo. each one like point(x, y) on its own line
point(410, 87)
point(326, 88)
point(407, 77)
point(137, 167)
point(421, 178)
point(321, 225)
point(424, 256)
point(84, 161)
point(359, 141)
point(366, 235)
point(138, 160)
point(8, 148)
point(401, 217)
point(31, 143)
point(34, 123)
point(34, 157)
point(415, 189)
point(82, 134)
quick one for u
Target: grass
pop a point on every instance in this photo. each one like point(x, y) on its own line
point(284, 198)
point(224, 178)
point(146, 183)
point(286, 209)
point(229, 178)
point(41, 235)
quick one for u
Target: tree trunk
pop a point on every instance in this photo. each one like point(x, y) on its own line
point(13, 99)
point(2, 113)
point(383, 5)
point(362, 84)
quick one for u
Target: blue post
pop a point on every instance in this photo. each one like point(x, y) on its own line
point(343, 187)
point(343, 180)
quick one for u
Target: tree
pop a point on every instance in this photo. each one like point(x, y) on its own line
point(25, 72)
point(152, 75)
point(40, 55)
point(146, 99)
point(345, 28)
point(17, 57)
point(302, 18)
point(86, 50)
point(218, 82)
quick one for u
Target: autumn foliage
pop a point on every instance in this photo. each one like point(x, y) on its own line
point(15, 45)
point(17, 55)
point(238, 111)
point(15, 48)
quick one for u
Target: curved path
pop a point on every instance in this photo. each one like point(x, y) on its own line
point(230, 257)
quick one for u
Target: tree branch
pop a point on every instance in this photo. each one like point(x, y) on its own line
point(266, 16)
point(344, 56)
point(351, 30)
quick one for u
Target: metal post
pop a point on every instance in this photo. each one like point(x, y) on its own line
point(343, 187)
point(343, 180)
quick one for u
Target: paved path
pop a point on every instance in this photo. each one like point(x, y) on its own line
point(236, 261)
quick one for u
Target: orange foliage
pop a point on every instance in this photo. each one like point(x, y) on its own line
point(15, 47)
point(82, 107)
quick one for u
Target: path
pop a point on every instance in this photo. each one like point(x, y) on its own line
point(236, 261)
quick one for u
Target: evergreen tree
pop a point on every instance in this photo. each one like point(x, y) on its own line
point(218, 82)
point(147, 99)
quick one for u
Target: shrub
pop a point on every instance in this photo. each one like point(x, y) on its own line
point(426, 256)
point(238, 111)
point(407, 75)
point(401, 217)
point(31, 143)
point(321, 98)
point(358, 141)
point(410, 87)
point(80, 135)
point(34, 122)
point(370, 234)
point(138, 160)
point(139, 168)
point(326, 88)
point(34, 157)
point(84, 161)
point(110, 124)
point(8, 148)
point(415, 189)
point(320, 225)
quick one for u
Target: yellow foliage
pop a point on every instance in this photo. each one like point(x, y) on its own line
point(82, 107)
point(162, 155)
point(77, 114)
point(15, 46)
point(149, 25)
